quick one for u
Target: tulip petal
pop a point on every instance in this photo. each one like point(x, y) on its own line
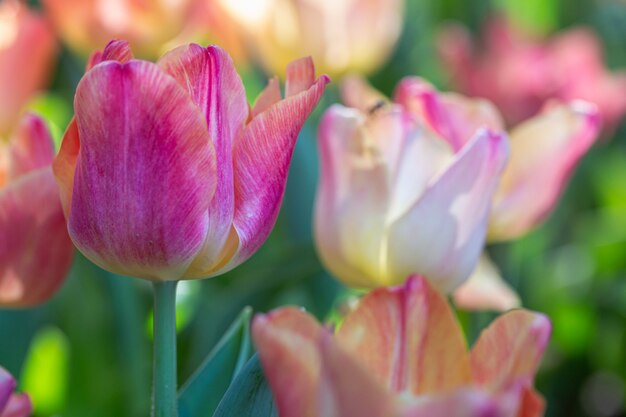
point(352, 197)
point(409, 338)
point(31, 147)
point(19, 405)
point(358, 94)
point(64, 165)
point(261, 160)
point(114, 51)
point(486, 290)
point(544, 152)
point(145, 172)
point(7, 385)
point(454, 117)
point(533, 404)
point(510, 349)
point(286, 340)
point(346, 388)
point(447, 246)
point(215, 87)
point(268, 97)
point(463, 402)
point(36, 254)
point(300, 76)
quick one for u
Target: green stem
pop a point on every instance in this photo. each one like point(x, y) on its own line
point(164, 387)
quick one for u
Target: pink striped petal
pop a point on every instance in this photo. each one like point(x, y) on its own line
point(486, 290)
point(31, 147)
point(346, 387)
point(408, 338)
point(544, 152)
point(446, 247)
point(262, 156)
point(145, 173)
point(268, 97)
point(215, 87)
point(7, 385)
point(36, 251)
point(286, 340)
point(454, 117)
point(114, 51)
point(510, 349)
point(19, 405)
point(300, 76)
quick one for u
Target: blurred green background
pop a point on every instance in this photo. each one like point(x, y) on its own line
point(87, 352)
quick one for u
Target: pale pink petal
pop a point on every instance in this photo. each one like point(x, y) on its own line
point(287, 342)
point(19, 405)
point(463, 402)
point(346, 387)
point(445, 247)
point(408, 338)
point(454, 117)
point(510, 349)
point(31, 147)
point(544, 152)
point(486, 290)
point(36, 251)
point(300, 76)
point(262, 156)
point(137, 210)
point(268, 97)
point(214, 85)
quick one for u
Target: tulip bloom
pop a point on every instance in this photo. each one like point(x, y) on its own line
point(166, 173)
point(89, 24)
point(337, 33)
point(395, 197)
point(27, 51)
point(11, 403)
point(519, 75)
point(401, 353)
point(35, 249)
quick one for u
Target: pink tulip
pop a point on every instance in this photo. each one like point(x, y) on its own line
point(166, 173)
point(401, 353)
point(27, 51)
point(35, 250)
point(396, 198)
point(519, 74)
point(11, 403)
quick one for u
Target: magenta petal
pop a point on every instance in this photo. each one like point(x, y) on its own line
point(114, 51)
point(19, 405)
point(36, 253)
point(31, 147)
point(262, 156)
point(7, 385)
point(145, 174)
point(215, 87)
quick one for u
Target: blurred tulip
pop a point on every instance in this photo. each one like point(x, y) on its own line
point(35, 250)
point(148, 24)
point(397, 198)
point(401, 353)
point(12, 404)
point(27, 51)
point(165, 172)
point(337, 33)
point(520, 74)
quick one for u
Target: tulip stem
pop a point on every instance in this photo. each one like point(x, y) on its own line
point(164, 398)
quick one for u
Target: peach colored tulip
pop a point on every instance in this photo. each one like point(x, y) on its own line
point(148, 25)
point(27, 52)
point(35, 250)
point(520, 74)
point(401, 353)
point(337, 33)
point(11, 403)
point(397, 198)
point(165, 172)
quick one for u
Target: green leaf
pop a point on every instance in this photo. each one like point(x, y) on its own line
point(249, 395)
point(202, 392)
